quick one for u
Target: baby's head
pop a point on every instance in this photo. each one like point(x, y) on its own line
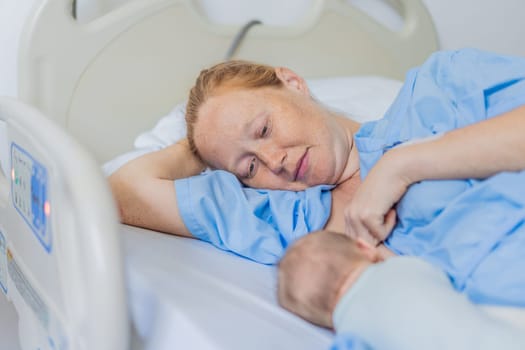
point(317, 270)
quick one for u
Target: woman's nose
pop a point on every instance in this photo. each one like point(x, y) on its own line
point(274, 158)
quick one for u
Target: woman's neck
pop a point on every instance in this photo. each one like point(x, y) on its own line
point(351, 161)
point(349, 180)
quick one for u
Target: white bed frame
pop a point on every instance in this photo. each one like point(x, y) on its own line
point(131, 66)
point(64, 274)
point(106, 81)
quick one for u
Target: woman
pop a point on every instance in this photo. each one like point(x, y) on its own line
point(147, 197)
point(261, 124)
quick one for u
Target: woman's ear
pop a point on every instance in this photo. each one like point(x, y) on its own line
point(292, 80)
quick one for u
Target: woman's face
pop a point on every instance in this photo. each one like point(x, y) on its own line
point(274, 138)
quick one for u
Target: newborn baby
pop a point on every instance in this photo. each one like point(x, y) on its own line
point(319, 268)
point(376, 300)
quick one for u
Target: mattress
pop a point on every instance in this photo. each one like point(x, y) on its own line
point(187, 294)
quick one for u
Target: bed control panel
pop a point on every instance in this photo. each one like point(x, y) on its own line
point(29, 182)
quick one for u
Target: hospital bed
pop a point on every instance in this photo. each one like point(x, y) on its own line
point(77, 278)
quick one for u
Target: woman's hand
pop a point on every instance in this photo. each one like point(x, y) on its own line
point(370, 215)
point(478, 150)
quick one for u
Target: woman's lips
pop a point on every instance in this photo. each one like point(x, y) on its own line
point(302, 167)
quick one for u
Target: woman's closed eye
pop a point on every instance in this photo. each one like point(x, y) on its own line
point(253, 164)
point(265, 130)
point(252, 168)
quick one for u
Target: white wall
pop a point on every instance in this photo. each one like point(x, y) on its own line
point(490, 25)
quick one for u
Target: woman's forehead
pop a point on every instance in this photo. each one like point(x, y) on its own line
point(222, 109)
point(217, 147)
point(234, 106)
point(220, 128)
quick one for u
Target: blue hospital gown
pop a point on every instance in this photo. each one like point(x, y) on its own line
point(473, 229)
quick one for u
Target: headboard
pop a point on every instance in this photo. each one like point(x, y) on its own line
point(110, 79)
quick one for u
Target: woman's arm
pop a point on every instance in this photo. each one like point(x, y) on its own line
point(476, 151)
point(216, 208)
point(144, 189)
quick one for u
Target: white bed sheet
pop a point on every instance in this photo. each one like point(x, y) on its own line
point(187, 294)
point(169, 280)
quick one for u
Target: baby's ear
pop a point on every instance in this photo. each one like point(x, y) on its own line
point(368, 250)
point(291, 79)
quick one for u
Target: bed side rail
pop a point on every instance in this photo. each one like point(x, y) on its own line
point(60, 254)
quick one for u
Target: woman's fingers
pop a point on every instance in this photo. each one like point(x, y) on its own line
point(370, 213)
point(373, 228)
point(357, 226)
point(355, 231)
point(390, 222)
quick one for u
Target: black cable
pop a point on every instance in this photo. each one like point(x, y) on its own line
point(239, 38)
point(74, 9)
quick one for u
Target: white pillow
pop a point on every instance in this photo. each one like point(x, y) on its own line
point(362, 98)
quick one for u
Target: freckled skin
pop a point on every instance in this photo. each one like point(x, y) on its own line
point(228, 134)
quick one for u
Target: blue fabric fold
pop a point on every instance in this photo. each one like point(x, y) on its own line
point(256, 224)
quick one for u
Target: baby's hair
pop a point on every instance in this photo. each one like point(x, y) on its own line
point(311, 273)
point(229, 74)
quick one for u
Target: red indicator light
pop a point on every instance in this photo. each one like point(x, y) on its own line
point(47, 208)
